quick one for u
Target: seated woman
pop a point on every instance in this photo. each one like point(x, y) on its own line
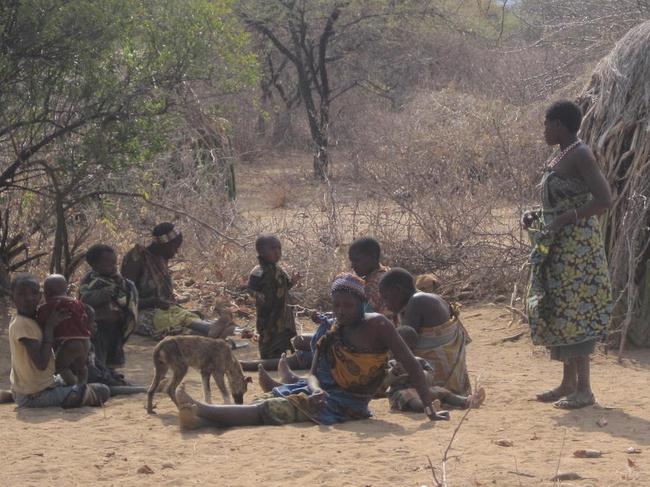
point(348, 366)
point(441, 336)
point(159, 314)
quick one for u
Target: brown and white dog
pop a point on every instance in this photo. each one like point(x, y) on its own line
point(212, 357)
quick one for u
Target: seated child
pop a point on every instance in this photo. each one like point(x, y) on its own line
point(403, 396)
point(115, 302)
point(270, 286)
point(32, 362)
point(364, 255)
point(72, 335)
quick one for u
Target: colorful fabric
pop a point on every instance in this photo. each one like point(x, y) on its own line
point(358, 372)
point(74, 327)
point(166, 238)
point(155, 280)
point(275, 324)
point(285, 410)
point(348, 399)
point(374, 303)
point(305, 357)
point(25, 377)
point(111, 296)
point(444, 347)
point(569, 293)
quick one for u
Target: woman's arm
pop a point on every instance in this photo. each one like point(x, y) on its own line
point(405, 357)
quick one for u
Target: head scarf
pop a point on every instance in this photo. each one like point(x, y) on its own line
point(349, 283)
point(167, 237)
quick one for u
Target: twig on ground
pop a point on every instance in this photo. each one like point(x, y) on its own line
point(559, 458)
point(510, 338)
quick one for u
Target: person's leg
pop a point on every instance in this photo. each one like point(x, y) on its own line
point(127, 390)
point(267, 383)
point(284, 368)
point(463, 402)
point(252, 365)
point(194, 414)
point(583, 395)
point(68, 356)
point(568, 385)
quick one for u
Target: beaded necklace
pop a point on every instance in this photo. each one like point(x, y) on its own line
point(554, 162)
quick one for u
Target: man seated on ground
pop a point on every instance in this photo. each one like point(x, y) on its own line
point(32, 361)
point(348, 366)
point(442, 338)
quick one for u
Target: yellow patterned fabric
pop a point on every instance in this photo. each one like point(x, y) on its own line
point(284, 410)
point(444, 348)
point(357, 372)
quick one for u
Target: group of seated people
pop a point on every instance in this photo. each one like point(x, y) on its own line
point(384, 337)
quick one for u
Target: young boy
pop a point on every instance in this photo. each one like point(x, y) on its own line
point(32, 361)
point(270, 285)
point(115, 302)
point(364, 255)
point(71, 336)
point(402, 396)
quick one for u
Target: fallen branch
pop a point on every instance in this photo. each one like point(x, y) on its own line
point(445, 456)
point(510, 338)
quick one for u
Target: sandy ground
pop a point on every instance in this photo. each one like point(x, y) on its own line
point(107, 446)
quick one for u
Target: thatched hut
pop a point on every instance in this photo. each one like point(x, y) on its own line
point(616, 126)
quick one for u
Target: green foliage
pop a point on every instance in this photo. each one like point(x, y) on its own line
point(97, 82)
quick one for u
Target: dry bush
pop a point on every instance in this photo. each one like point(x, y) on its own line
point(457, 171)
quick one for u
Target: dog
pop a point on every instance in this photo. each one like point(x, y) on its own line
point(212, 357)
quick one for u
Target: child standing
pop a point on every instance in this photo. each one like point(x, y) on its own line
point(115, 302)
point(72, 336)
point(270, 285)
point(364, 255)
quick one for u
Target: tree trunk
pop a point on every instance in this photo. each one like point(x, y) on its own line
point(61, 251)
point(321, 160)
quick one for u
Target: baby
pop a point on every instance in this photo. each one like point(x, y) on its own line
point(403, 397)
point(72, 335)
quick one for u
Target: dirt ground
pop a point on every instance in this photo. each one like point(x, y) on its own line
point(108, 446)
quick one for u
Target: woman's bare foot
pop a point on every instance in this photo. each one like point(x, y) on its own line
point(555, 394)
point(286, 374)
point(475, 400)
point(577, 400)
point(267, 383)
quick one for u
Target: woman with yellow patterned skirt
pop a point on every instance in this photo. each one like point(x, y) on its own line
point(569, 297)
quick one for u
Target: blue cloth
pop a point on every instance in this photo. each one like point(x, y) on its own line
point(306, 357)
point(340, 405)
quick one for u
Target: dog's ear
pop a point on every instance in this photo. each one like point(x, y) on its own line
point(248, 379)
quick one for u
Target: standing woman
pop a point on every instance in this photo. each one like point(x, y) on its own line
point(569, 297)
